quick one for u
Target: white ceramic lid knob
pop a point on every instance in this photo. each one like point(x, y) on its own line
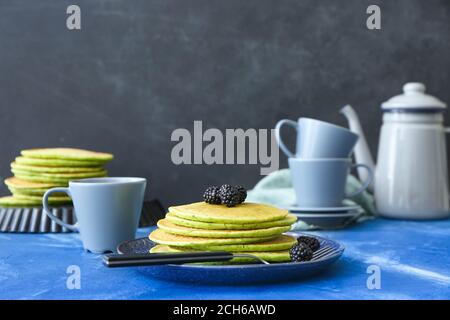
point(413, 87)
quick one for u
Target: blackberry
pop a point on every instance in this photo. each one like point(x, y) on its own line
point(242, 193)
point(300, 252)
point(229, 195)
point(311, 242)
point(211, 195)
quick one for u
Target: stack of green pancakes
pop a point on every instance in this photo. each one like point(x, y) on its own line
point(38, 170)
point(248, 228)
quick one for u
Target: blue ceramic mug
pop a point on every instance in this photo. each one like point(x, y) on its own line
point(317, 139)
point(107, 210)
point(320, 183)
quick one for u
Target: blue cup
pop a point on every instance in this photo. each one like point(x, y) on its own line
point(317, 139)
point(320, 183)
point(107, 210)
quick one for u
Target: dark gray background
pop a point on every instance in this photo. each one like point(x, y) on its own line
point(140, 69)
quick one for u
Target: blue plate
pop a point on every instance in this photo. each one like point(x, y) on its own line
point(328, 253)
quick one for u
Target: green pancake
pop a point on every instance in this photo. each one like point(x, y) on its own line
point(23, 187)
point(269, 256)
point(246, 212)
point(14, 201)
point(52, 199)
point(33, 192)
point(172, 228)
point(59, 178)
point(27, 185)
point(67, 154)
point(57, 162)
point(287, 221)
point(41, 169)
point(161, 237)
point(283, 242)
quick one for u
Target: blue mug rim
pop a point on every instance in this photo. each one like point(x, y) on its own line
point(299, 159)
point(108, 181)
point(329, 124)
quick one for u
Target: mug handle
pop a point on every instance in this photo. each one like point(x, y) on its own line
point(280, 142)
point(366, 184)
point(48, 211)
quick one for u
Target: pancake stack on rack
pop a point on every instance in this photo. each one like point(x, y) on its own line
point(247, 228)
point(38, 170)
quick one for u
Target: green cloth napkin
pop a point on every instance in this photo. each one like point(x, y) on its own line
point(276, 189)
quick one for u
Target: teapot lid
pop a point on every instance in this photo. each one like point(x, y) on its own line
point(414, 98)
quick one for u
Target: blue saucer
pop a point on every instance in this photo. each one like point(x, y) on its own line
point(329, 221)
point(328, 253)
point(340, 209)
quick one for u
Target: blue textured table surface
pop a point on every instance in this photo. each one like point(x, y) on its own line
point(413, 258)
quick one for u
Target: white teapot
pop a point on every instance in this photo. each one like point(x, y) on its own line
point(411, 179)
